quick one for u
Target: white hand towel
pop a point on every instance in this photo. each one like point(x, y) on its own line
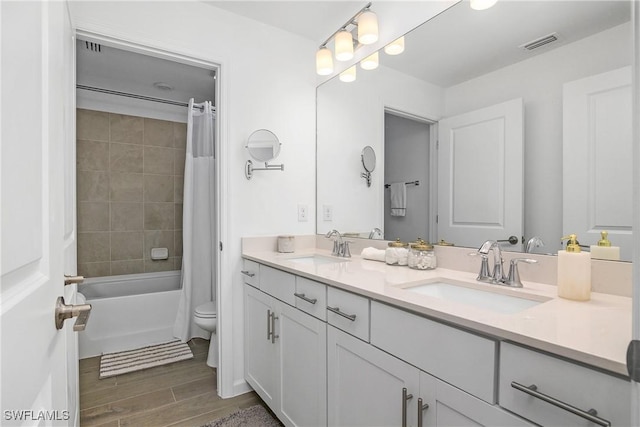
point(398, 199)
point(373, 254)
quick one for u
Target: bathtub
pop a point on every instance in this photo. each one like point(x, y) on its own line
point(128, 311)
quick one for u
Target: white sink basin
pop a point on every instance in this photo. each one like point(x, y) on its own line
point(491, 299)
point(316, 260)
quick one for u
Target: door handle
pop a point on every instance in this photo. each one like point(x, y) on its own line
point(512, 240)
point(69, 280)
point(66, 311)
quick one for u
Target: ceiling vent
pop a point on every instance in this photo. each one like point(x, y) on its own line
point(542, 41)
point(93, 47)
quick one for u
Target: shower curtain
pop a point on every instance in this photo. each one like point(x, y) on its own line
point(198, 223)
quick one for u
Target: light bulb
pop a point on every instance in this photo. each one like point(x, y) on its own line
point(324, 62)
point(482, 4)
point(396, 47)
point(348, 75)
point(367, 27)
point(344, 46)
point(370, 62)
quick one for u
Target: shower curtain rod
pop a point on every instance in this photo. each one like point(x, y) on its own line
point(142, 97)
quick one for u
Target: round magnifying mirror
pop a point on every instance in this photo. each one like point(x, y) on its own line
point(263, 145)
point(368, 158)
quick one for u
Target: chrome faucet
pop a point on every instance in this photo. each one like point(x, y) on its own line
point(340, 247)
point(532, 243)
point(513, 280)
point(497, 276)
point(375, 232)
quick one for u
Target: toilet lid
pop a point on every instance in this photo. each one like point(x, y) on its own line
point(206, 310)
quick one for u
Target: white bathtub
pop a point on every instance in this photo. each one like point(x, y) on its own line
point(129, 311)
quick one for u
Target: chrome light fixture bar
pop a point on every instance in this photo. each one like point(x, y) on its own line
point(366, 23)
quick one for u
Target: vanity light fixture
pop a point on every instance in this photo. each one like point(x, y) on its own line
point(370, 62)
point(348, 75)
point(396, 47)
point(482, 4)
point(366, 23)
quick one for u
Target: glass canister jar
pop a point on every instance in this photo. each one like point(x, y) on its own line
point(422, 256)
point(397, 253)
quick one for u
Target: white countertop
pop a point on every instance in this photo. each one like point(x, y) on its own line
point(596, 332)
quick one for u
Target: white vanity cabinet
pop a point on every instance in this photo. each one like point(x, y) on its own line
point(564, 393)
point(285, 358)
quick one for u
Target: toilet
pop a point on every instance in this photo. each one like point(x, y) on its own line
point(206, 317)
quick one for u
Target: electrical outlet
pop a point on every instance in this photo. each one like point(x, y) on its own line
point(327, 213)
point(302, 213)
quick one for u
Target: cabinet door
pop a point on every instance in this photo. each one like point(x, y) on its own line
point(260, 352)
point(365, 385)
point(450, 406)
point(302, 345)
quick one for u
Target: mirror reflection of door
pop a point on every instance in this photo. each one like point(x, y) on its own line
point(480, 175)
point(407, 160)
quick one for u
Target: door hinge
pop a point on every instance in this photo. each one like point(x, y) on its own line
point(437, 144)
point(436, 219)
point(633, 360)
point(220, 246)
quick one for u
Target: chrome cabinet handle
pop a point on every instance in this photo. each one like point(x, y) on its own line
point(305, 298)
point(337, 311)
point(273, 327)
point(248, 273)
point(405, 398)
point(66, 311)
point(421, 408)
point(269, 325)
point(69, 280)
point(590, 415)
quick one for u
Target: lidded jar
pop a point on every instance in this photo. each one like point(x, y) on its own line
point(422, 256)
point(397, 253)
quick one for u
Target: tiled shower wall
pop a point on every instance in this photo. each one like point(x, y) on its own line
point(130, 183)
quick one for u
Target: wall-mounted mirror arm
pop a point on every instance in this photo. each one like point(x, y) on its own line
point(368, 157)
point(248, 168)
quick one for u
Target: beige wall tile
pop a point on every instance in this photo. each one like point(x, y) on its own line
point(161, 265)
point(178, 216)
point(177, 242)
point(159, 216)
point(158, 160)
point(127, 267)
point(126, 245)
point(126, 216)
point(178, 162)
point(93, 216)
point(158, 239)
point(128, 129)
point(158, 188)
point(126, 187)
point(178, 189)
point(93, 247)
point(180, 136)
point(94, 269)
point(93, 186)
point(158, 133)
point(92, 155)
point(125, 158)
point(93, 125)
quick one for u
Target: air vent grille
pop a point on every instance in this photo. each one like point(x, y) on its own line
point(542, 41)
point(93, 47)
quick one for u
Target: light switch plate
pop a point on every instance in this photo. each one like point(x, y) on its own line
point(327, 213)
point(303, 211)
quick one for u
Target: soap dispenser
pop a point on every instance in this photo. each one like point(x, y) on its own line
point(604, 250)
point(574, 271)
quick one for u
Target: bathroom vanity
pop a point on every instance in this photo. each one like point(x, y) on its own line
point(348, 341)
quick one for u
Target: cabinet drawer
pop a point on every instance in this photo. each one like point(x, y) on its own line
point(353, 316)
point(573, 384)
point(251, 273)
point(460, 358)
point(311, 297)
point(278, 284)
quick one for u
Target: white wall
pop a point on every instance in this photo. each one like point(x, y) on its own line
point(267, 81)
point(539, 81)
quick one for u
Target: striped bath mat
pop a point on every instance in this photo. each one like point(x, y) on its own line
point(142, 358)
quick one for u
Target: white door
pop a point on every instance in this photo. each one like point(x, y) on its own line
point(480, 175)
point(36, 122)
point(597, 159)
point(365, 385)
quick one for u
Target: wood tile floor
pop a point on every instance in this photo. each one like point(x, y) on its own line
point(178, 394)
